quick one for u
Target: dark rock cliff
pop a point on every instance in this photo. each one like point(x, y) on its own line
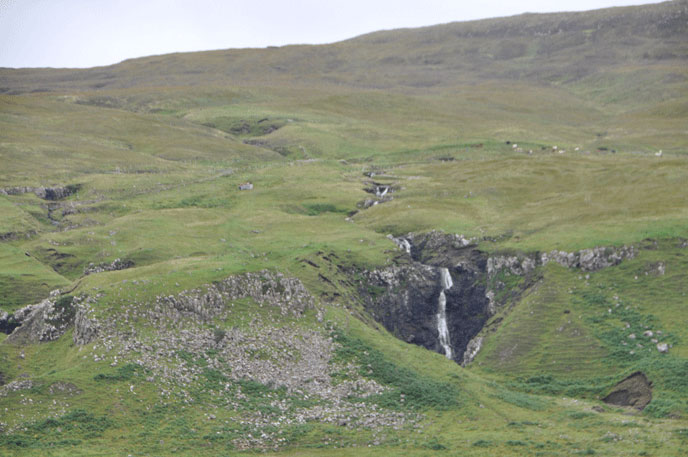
point(404, 298)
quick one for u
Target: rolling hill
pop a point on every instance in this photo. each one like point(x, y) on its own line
point(519, 181)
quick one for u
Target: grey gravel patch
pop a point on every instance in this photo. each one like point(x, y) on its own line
point(179, 339)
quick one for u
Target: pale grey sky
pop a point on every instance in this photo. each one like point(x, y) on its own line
point(86, 33)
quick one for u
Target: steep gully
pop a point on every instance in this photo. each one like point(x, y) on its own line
point(434, 295)
point(442, 290)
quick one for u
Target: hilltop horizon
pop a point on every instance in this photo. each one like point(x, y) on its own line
point(463, 239)
point(105, 28)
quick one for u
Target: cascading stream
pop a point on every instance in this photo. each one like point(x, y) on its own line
point(405, 245)
point(442, 327)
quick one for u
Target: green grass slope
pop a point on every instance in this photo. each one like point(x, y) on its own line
point(530, 133)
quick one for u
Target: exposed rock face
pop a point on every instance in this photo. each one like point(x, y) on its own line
point(46, 193)
point(265, 287)
point(180, 345)
point(86, 327)
point(117, 264)
point(440, 249)
point(50, 319)
point(7, 323)
point(404, 298)
point(513, 264)
point(269, 288)
point(45, 321)
point(15, 386)
point(635, 391)
point(593, 259)
point(587, 260)
point(472, 350)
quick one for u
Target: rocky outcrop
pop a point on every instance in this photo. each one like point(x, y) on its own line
point(404, 298)
point(46, 193)
point(265, 287)
point(289, 295)
point(86, 327)
point(180, 340)
point(7, 322)
point(472, 350)
point(441, 249)
point(51, 318)
point(593, 259)
point(634, 391)
point(512, 264)
point(45, 321)
point(16, 386)
point(115, 265)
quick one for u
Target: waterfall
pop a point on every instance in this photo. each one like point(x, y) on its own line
point(405, 245)
point(442, 327)
point(381, 191)
point(446, 279)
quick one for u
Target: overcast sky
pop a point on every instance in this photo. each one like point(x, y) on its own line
point(86, 33)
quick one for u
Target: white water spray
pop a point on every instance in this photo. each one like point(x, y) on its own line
point(442, 327)
point(381, 191)
point(405, 245)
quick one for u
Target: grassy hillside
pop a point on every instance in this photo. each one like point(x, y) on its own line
point(526, 134)
point(547, 48)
